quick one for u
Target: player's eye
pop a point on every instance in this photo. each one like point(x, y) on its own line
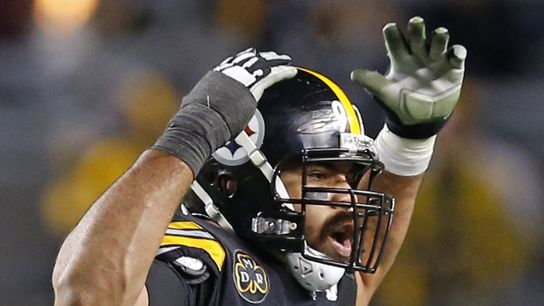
point(317, 175)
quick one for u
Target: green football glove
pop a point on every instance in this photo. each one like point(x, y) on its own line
point(423, 84)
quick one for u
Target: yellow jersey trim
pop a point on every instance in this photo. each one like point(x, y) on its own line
point(212, 247)
point(184, 225)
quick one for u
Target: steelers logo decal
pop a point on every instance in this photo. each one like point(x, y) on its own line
point(250, 279)
point(232, 153)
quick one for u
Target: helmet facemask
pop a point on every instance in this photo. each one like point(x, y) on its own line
point(362, 219)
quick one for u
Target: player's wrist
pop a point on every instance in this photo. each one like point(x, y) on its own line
point(207, 119)
point(193, 134)
point(419, 131)
point(230, 99)
point(404, 156)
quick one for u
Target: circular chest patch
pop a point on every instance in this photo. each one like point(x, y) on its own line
point(232, 153)
point(250, 279)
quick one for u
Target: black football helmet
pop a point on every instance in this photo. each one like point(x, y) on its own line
point(306, 119)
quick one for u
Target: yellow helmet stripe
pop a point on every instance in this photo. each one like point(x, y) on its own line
point(354, 124)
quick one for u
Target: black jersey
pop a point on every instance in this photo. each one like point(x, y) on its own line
point(227, 271)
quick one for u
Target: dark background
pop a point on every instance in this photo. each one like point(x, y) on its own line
point(85, 85)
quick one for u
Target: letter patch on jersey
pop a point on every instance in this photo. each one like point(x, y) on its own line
point(250, 279)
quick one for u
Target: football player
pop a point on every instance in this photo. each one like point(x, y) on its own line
point(286, 201)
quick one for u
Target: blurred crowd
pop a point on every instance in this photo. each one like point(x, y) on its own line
point(86, 85)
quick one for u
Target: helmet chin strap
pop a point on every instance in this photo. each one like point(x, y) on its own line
point(255, 155)
point(258, 159)
point(211, 209)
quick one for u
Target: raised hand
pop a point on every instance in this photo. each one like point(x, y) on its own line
point(422, 87)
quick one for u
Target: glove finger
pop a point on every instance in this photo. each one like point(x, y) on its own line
point(371, 81)
point(224, 65)
point(275, 59)
point(242, 57)
point(456, 56)
point(229, 61)
point(271, 56)
point(250, 62)
point(248, 50)
point(394, 42)
point(226, 61)
point(417, 37)
point(439, 43)
point(277, 74)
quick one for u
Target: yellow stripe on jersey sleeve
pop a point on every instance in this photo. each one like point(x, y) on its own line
point(184, 225)
point(212, 247)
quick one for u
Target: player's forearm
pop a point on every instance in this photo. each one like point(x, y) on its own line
point(107, 256)
point(404, 189)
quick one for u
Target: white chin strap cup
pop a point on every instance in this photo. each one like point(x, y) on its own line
point(312, 275)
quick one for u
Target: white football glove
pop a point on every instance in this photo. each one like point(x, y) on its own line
point(257, 70)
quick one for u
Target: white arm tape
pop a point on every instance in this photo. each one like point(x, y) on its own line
point(403, 156)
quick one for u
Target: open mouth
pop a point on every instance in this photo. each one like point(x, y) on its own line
point(341, 238)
